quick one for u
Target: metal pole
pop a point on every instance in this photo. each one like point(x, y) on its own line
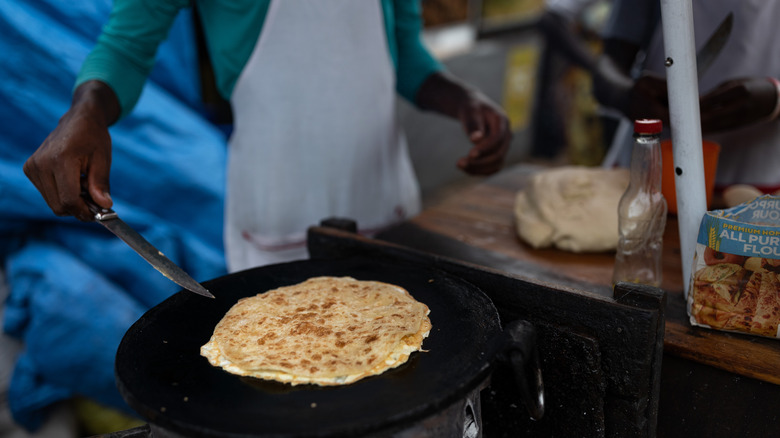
point(685, 124)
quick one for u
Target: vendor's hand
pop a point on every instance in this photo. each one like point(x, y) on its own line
point(78, 148)
point(487, 127)
point(484, 122)
point(737, 103)
point(648, 99)
point(643, 98)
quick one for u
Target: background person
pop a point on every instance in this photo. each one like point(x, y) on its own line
point(739, 95)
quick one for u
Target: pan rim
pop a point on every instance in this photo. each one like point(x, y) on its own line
point(477, 371)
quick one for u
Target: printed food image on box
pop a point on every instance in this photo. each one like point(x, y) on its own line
point(734, 284)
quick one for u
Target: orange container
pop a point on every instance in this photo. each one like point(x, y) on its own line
point(710, 151)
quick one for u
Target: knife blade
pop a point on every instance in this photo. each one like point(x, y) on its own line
point(109, 219)
point(711, 49)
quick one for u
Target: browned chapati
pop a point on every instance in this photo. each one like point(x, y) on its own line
point(326, 330)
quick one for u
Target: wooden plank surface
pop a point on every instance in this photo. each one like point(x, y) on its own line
point(482, 216)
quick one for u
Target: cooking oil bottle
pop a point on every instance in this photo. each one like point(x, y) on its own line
point(642, 211)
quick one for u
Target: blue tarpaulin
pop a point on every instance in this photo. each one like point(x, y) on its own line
point(74, 288)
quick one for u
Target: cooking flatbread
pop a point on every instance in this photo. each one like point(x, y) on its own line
point(325, 331)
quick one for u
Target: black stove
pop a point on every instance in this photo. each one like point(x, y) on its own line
point(599, 356)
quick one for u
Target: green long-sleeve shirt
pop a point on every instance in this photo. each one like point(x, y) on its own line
point(125, 51)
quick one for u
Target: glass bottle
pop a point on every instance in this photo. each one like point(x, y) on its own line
point(642, 211)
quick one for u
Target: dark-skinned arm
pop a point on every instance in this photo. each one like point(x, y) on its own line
point(483, 121)
point(79, 146)
point(737, 103)
point(643, 98)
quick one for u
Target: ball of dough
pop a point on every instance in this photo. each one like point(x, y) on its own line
point(573, 208)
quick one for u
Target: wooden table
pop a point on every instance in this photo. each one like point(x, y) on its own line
point(732, 380)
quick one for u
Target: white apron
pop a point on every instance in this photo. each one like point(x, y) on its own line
point(316, 133)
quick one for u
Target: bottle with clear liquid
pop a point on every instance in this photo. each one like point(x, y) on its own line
point(642, 211)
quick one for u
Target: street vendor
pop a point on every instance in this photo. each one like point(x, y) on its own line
point(312, 88)
point(739, 93)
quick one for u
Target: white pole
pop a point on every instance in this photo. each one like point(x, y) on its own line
point(685, 124)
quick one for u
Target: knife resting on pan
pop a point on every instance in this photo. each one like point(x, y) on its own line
point(109, 219)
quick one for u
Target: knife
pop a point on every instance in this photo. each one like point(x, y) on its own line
point(109, 219)
point(711, 49)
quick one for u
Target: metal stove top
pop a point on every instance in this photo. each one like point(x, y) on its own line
point(600, 357)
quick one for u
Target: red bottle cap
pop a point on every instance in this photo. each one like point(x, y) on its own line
point(648, 126)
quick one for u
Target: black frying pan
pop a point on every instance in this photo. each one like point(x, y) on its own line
point(161, 374)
